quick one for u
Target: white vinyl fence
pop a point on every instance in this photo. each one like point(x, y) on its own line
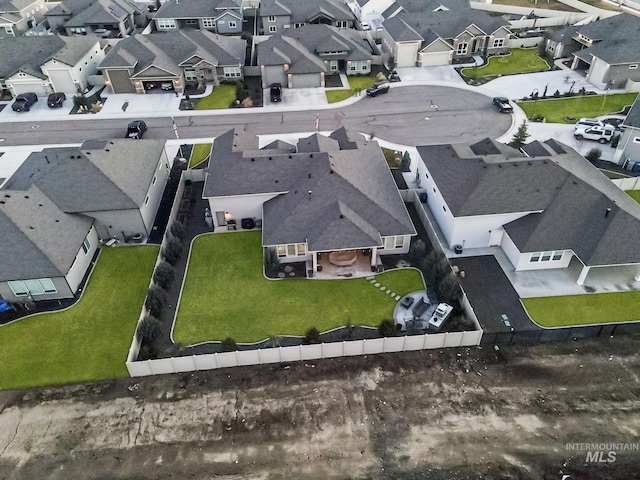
point(627, 183)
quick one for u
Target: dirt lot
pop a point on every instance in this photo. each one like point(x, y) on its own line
point(450, 414)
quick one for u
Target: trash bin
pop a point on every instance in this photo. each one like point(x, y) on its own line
point(457, 249)
point(423, 197)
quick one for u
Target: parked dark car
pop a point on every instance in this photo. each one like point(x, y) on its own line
point(275, 92)
point(56, 100)
point(24, 101)
point(136, 129)
point(378, 87)
point(503, 105)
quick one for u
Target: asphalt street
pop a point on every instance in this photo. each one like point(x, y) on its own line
point(413, 115)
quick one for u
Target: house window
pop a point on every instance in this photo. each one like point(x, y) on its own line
point(272, 29)
point(291, 250)
point(498, 42)
point(18, 288)
point(166, 23)
point(302, 249)
point(8, 29)
point(232, 24)
point(444, 208)
point(535, 257)
point(153, 182)
point(393, 242)
point(272, 18)
point(22, 74)
point(342, 24)
point(298, 25)
point(190, 74)
point(333, 65)
point(208, 22)
point(633, 66)
point(546, 256)
point(282, 250)
point(462, 48)
point(358, 65)
point(39, 286)
point(78, 30)
point(557, 256)
point(191, 22)
point(86, 245)
point(146, 201)
point(232, 72)
point(399, 242)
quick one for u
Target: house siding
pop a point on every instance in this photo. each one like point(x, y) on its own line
point(628, 146)
point(118, 224)
point(475, 231)
point(223, 26)
point(82, 262)
point(60, 283)
point(248, 206)
point(148, 212)
point(281, 22)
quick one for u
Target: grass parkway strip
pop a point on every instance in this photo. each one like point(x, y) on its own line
point(226, 295)
point(568, 110)
point(88, 341)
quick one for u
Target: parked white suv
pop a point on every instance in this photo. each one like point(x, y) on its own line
point(597, 133)
point(589, 122)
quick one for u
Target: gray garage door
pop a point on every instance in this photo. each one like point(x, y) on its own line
point(61, 81)
point(37, 88)
point(120, 82)
point(307, 80)
point(273, 74)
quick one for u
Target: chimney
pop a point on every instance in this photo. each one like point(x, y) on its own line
point(607, 212)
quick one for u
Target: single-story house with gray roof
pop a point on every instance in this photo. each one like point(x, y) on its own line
point(627, 152)
point(327, 195)
point(218, 16)
point(48, 64)
point(277, 16)
point(63, 202)
point(301, 57)
point(140, 64)
point(18, 16)
point(544, 211)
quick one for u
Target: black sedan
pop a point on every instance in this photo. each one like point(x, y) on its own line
point(56, 100)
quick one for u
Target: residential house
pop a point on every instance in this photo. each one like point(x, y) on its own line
point(627, 152)
point(561, 44)
point(371, 13)
point(103, 18)
point(18, 16)
point(277, 16)
point(62, 202)
point(140, 64)
point(610, 51)
point(546, 210)
point(325, 199)
point(439, 33)
point(301, 57)
point(219, 16)
point(48, 64)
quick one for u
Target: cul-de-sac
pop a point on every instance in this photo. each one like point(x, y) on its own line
point(320, 239)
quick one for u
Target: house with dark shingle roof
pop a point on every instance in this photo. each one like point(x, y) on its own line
point(545, 211)
point(142, 62)
point(627, 152)
point(609, 51)
point(301, 57)
point(63, 202)
point(18, 16)
point(102, 18)
point(327, 194)
point(218, 16)
point(277, 16)
point(48, 64)
point(438, 32)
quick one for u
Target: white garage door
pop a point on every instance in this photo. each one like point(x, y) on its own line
point(307, 80)
point(406, 55)
point(440, 58)
point(25, 87)
point(62, 81)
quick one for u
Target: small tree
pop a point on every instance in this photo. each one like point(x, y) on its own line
point(440, 269)
point(271, 262)
point(448, 288)
point(172, 250)
point(594, 154)
point(417, 251)
point(273, 341)
point(312, 336)
point(156, 300)
point(387, 328)
point(149, 329)
point(164, 275)
point(406, 162)
point(177, 230)
point(229, 345)
point(520, 136)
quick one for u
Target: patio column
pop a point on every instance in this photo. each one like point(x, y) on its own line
point(374, 252)
point(314, 258)
point(583, 275)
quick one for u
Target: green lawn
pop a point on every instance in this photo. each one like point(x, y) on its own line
point(520, 60)
point(226, 295)
point(358, 83)
point(199, 154)
point(90, 340)
point(221, 97)
point(584, 309)
point(635, 194)
point(558, 110)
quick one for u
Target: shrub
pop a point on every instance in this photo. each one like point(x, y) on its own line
point(149, 329)
point(164, 275)
point(156, 300)
point(417, 251)
point(387, 328)
point(172, 250)
point(229, 345)
point(271, 262)
point(520, 136)
point(594, 154)
point(448, 288)
point(312, 336)
point(440, 269)
point(177, 230)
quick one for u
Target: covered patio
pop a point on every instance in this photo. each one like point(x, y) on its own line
point(345, 264)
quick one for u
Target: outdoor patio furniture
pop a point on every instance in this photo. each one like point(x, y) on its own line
point(406, 302)
point(247, 223)
point(420, 307)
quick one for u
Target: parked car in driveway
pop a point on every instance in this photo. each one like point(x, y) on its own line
point(56, 100)
point(377, 88)
point(275, 92)
point(588, 122)
point(24, 101)
point(502, 104)
point(597, 133)
point(136, 129)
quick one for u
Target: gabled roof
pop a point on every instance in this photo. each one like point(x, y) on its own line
point(563, 199)
point(168, 50)
point(83, 12)
point(101, 175)
point(330, 197)
point(399, 31)
point(14, 5)
point(38, 239)
point(633, 117)
point(617, 39)
point(302, 11)
point(197, 9)
point(27, 54)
